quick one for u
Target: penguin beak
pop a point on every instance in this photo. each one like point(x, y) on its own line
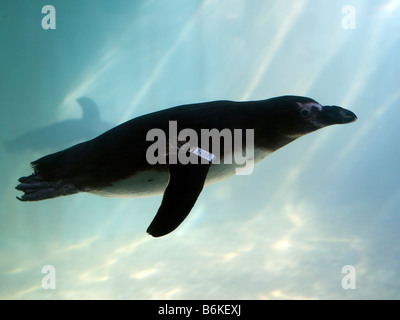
point(335, 115)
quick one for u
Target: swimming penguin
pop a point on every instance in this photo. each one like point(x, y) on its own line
point(117, 163)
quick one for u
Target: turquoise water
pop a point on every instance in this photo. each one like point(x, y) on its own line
point(327, 200)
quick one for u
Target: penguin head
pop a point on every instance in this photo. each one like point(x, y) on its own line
point(317, 116)
point(306, 115)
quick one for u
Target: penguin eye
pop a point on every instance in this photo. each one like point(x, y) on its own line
point(305, 113)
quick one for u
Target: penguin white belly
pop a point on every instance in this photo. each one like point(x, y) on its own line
point(143, 184)
point(151, 182)
point(219, 172)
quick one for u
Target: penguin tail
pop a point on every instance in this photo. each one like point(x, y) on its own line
point(36, 188)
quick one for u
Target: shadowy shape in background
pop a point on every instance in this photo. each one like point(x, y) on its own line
point(63, 133)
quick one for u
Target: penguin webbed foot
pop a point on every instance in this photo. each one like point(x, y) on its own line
point(31, 178)
point(35, 188)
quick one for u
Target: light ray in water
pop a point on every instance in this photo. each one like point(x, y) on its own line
point(270, 52)
point(160, 66)
point(89, 79)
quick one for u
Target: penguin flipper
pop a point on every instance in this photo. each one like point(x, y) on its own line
point(184, 187)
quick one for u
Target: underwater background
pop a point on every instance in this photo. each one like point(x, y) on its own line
point(325, 201)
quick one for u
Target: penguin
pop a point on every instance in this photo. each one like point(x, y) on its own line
point(116, 163)
point(53, 137)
